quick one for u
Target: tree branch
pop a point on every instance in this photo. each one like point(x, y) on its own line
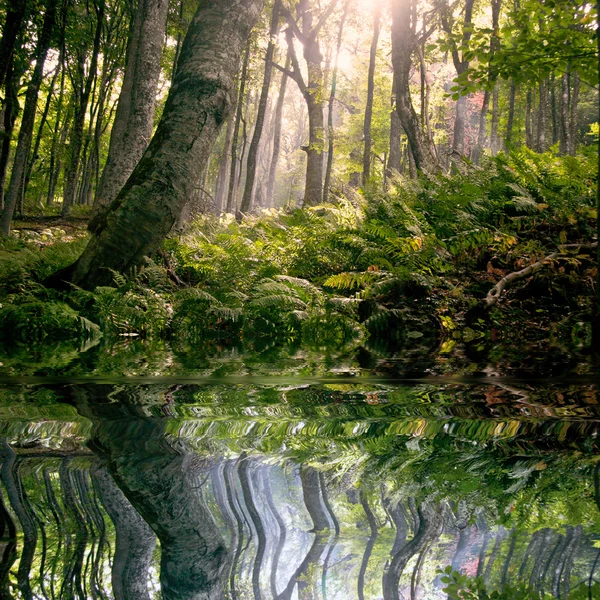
point(322, 19)
point(293, 24)
point(494, 294)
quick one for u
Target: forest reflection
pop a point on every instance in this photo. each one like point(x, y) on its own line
point(329, 492)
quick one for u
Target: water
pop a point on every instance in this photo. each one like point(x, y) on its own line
point(258, 487)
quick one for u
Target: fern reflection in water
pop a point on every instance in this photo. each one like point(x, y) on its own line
point(336, 491)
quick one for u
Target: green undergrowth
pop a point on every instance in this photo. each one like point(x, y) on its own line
point(401, 269)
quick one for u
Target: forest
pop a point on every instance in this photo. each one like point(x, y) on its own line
point(416, 175)
point(299, 299)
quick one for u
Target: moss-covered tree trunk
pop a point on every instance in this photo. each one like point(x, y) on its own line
point(198, 103)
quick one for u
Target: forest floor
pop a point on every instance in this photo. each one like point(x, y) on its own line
point(398, 282)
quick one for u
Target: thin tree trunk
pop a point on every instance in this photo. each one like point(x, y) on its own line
point(330, 107)
point(233, 171)
point(565, 129)
point(247, 197)
point(56, 157)
point(529, 129)
point(198, 103)
point(134, 119)
point(28, 119)
point(372, 521)
point(511, 113)
point(395, 154)
point(542, 117)
point(554, 110)
point(82, 93)
point(277, 134)
point(495, 138)
point(370, 95)
point(575, 84)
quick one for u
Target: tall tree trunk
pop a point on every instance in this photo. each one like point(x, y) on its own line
point(13, 25)
point(529, 128)
point(252, 161)
point(56, 155)
point(495, 138)
point(370, 94)
point(575, 84)
point(481, 133)
point(222, 183)
point(395, 155)
point(278, 120)
point(542, 126)
point(492, 77)
point(565, 128)
point(40, 131)
point(403, 40)
point(81, 98)
point(331, 105)
point(554, 110)
point(10, 110)
point(233, 170)
point(461, 64)
point(312, 91)
point(196, 108)
point(28, 119)
point(134, 119)
point(511, 113)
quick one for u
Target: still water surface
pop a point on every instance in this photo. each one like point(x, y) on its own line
point(268, 488)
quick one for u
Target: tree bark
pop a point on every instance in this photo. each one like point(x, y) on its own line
point(495, 138)
point(197, 105)
point(13, 25)
point(403, 40)
point(278, 119)
point(134, 119)
point(330, 107)
point(429, 524)
point(529, 128)
point(372, 521)
point(395, 155)
point(370, 94)
point(28, 119)
point(247, 197)
point(542, 127)
point(511, 113)
point(135, 541)
point(233, 169)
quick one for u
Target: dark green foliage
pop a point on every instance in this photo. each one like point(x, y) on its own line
point(400, 269)
point(44, 322)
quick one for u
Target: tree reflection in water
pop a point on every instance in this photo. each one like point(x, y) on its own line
point(266, 493)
